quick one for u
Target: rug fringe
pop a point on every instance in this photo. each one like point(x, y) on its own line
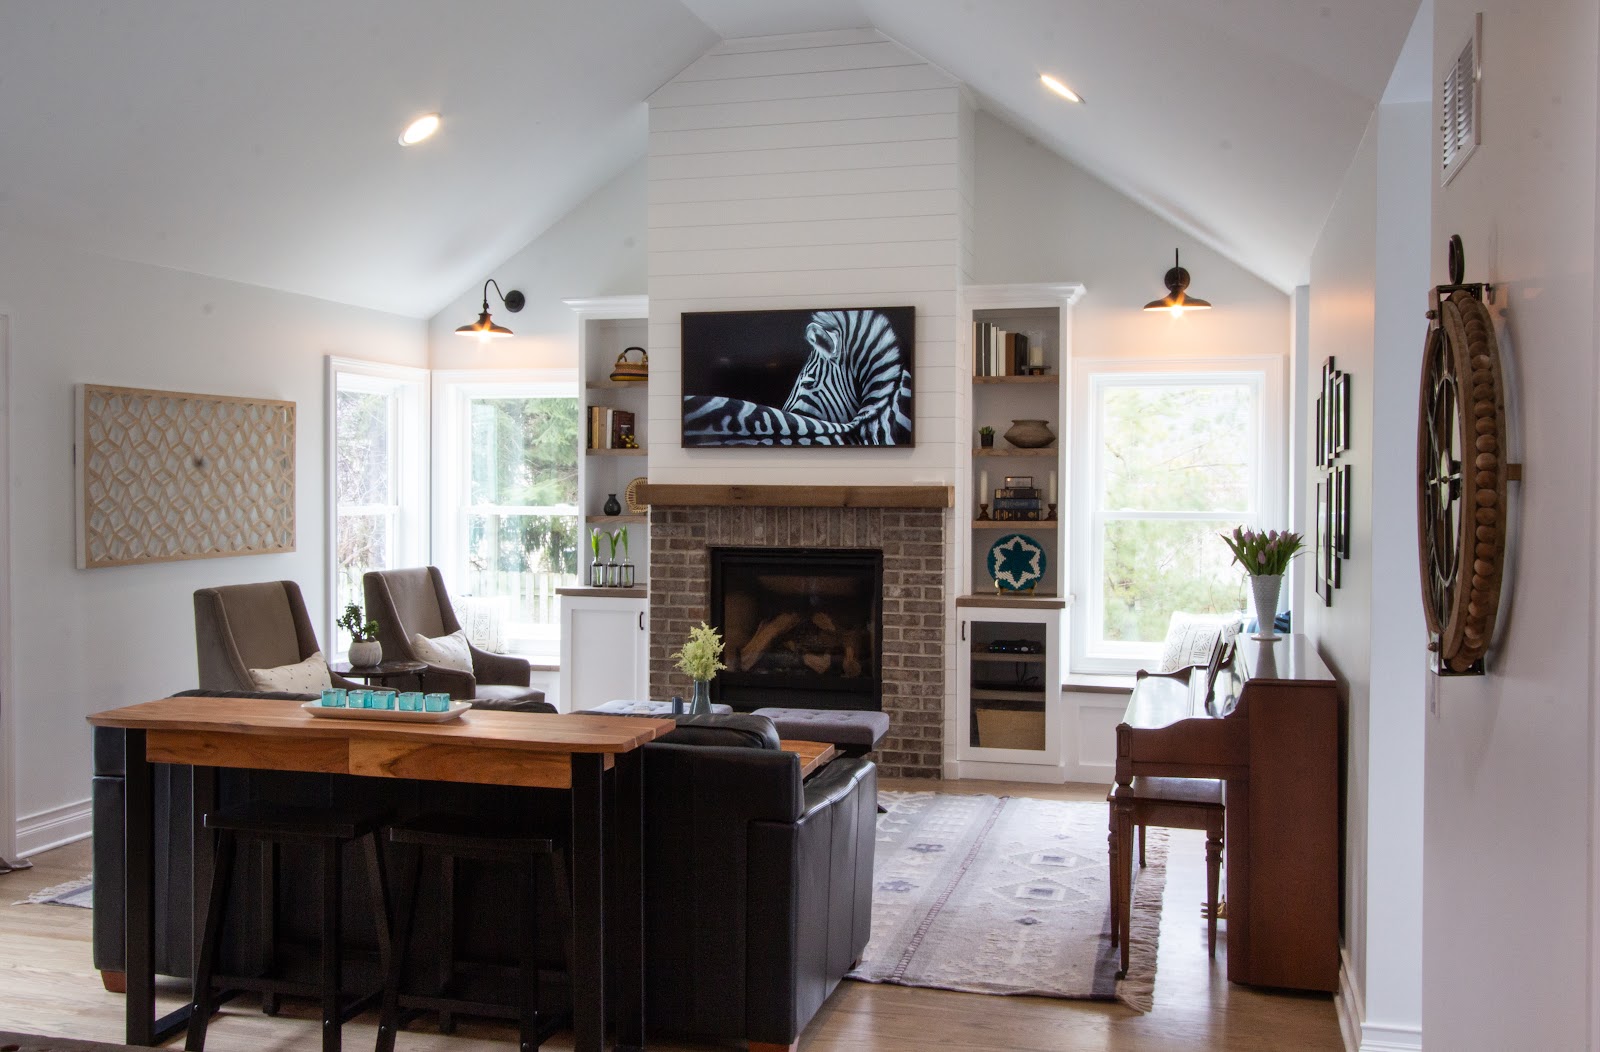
point(48, 896)
point(1149, 885)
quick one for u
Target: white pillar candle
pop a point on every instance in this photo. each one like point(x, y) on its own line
point(983, 487)
point(1036, 355)
point(1052, 487)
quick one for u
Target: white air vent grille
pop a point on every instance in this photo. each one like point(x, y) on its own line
point(1459, 134)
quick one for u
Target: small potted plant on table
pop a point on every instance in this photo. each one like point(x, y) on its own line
point(365, 650)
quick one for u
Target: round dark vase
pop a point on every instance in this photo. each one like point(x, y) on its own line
point(611, 506)
point(701, 706)
point(1030, 434)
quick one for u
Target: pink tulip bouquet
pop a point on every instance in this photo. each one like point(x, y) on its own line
point(1263, 553)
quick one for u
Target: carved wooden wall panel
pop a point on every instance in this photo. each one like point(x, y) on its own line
point(164, 476)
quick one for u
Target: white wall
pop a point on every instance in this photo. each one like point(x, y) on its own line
point(1343, 280)
point(1507, 908)
point(597, 249)
point(1042, 218)
point(808, 170)
point(1369, 276)
point(87, 640)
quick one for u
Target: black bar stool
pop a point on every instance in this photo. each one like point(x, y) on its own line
point(330, 831)
point(445, 838)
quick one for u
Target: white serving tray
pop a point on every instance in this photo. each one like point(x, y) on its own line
point(316, 708)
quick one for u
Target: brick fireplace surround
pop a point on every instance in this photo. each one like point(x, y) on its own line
point(913, 544)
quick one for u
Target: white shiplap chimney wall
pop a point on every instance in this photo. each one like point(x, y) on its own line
point(810, 170)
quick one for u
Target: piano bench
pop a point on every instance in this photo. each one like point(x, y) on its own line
point(1175, 803)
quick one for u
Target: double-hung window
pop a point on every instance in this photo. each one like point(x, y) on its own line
point(507, 515)
point(1169, 456)
point(377, 477)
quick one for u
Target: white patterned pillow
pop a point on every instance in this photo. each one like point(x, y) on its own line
point(1190, 640)
point(306, 677)
point(449, 651)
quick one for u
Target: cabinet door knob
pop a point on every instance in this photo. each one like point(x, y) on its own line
point(641, 620)
point(963, 631)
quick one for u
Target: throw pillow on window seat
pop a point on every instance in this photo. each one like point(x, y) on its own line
point(449, 651)
point(1190, 640)
point(303, 677)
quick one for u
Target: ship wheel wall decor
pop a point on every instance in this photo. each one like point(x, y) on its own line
point(1462, 471)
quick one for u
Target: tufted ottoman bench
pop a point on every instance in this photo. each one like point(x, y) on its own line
point(852, 732)
point(643, 708)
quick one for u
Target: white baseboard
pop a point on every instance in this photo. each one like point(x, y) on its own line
point(1360, 1036)
point(53, 828)
point(1049, 774)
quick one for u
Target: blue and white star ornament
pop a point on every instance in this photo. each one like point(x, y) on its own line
point(1016, 562)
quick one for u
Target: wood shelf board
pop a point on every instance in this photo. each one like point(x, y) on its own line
point(615, 452)
point(1014, 524)
point(621, 520)
point(1048, 378)
point(601, 385)
point(989, 694)
point(996, 451)
point(668, 494)
point(985, 655)
point(990, 601)
point(605, 593)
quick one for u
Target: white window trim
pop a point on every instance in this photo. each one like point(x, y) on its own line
point(451, 390)
point(1272, 483)
point(414, 457)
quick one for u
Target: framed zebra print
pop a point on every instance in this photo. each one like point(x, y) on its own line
point(808, 378)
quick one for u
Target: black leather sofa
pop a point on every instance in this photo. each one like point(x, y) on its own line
point(758, 887)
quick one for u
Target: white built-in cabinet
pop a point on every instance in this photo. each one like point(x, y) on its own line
point(1008, 688)
point(606, 328)
point(1009, 719)
point(605, 647)
point(605, 632)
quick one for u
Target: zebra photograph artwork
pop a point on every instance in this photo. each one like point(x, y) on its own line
point(798, 377)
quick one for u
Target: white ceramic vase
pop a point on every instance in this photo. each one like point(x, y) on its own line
point(1264, 590)
point(364, 653)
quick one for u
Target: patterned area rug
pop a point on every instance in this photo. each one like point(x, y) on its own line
point(1006, 895)
point(79, 893)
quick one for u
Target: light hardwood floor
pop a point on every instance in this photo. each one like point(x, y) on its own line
point(47, 986)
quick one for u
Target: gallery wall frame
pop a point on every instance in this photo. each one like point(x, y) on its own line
point(1332, 441)
point(163, 476)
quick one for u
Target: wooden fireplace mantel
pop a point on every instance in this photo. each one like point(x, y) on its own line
point(798, 496)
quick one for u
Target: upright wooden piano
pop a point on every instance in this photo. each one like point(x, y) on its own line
point(1267, 723)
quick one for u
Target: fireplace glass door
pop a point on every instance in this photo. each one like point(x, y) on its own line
point(801, 628)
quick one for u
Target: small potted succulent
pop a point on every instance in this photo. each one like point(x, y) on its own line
point(986, 437)
point(365, 650)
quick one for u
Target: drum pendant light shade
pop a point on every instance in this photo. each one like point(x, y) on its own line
point(1177, 300)
point(485, 328)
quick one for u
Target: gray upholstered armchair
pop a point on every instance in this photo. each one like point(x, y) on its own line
point(239, 627)
point(407, 602)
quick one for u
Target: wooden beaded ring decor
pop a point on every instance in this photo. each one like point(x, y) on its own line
point(1462, 471)
point(630, 496)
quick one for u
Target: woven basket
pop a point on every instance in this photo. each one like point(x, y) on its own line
point(628, 371)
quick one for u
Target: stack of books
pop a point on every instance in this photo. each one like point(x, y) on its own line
point(610, 428)
point(996, 352)
point(1017, 504)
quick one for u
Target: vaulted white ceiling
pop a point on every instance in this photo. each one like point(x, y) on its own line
point(255, 140)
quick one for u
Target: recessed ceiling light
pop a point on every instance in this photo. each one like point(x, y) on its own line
point(1059, 88)
point(419, 129)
